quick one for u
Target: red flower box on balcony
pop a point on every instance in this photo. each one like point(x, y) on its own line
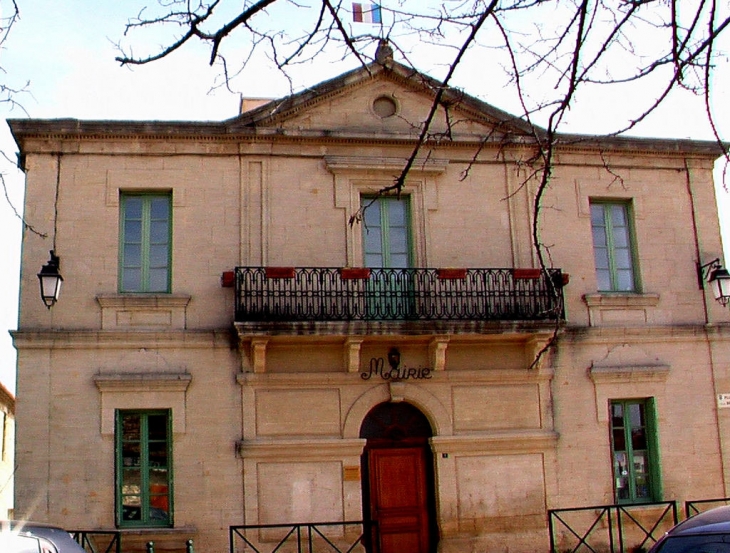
point(279, 272)
point(526, 273)
point(228, 279)
point(354, 273)
point(452, 274)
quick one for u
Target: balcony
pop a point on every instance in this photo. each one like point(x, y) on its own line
point(322, 294)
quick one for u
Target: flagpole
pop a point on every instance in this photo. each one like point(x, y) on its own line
point(380, 9)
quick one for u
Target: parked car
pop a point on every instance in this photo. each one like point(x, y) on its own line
point(707, 532)
point(33, 537)
point(18, 543)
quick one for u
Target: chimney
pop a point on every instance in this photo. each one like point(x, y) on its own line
point(247, 104)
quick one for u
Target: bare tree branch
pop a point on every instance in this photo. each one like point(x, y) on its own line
point(9, 96)
point(561, 50)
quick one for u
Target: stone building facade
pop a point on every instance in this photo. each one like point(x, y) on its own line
point(238, 343)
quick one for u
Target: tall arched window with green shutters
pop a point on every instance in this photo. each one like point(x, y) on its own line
point(144, 468)
point(145, 243)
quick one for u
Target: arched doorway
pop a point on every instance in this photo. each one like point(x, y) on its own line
point(397, 480)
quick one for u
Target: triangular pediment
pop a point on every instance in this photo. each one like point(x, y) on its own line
point(381, 101)
point(343, 108)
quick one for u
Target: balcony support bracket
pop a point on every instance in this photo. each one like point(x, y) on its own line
point(437, 352)
point(352, 354)
point(257, 354)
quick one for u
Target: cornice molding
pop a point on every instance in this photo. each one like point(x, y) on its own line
point(116, 339)
point(338, 164)
point(519, 441)
point(133, 382)
point(46, 135)
point(645, 333)
point(605, 374)
point(310, 448)
point(514, 331)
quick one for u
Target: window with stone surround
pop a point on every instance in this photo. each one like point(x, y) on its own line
point(634, 446)
point(145, 242)
point(144, 468)
point(387, 231)
point(614, 249)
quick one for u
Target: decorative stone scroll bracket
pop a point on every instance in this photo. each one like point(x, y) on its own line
point(352, 354)
point(437, 352)
point(533, 348)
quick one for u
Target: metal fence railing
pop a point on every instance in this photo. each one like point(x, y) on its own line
point(320, 537)
point(345, 294)
point(98, 541)
point(699, 505)
point(610, 528)
point(618, 528)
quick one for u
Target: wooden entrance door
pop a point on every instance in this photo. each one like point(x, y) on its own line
point(398, 500)
point(398, 483)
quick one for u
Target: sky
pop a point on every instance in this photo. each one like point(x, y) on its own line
point(65, 51)
point(73, 74)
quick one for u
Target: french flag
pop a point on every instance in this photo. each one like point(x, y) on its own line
point(366, 13)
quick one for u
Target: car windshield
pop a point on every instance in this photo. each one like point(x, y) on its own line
point(14, 543)
point(700, 543)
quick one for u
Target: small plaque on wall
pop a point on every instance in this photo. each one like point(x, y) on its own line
point(723, 401)
point(351, 474)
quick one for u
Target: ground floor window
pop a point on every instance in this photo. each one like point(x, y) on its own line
point(635, 451)
point(144, 479)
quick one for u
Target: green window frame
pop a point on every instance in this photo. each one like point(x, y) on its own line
point(144, 468)
point(145, 253)
point(614, 247)
point(387, 240)
point(635, 451)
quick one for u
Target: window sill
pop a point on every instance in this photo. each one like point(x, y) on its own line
point(143, 311)
point(157, 530)
point(621, 299)
point(165, 538)
point(620, 308)
point(642, 504)
point(143, 300)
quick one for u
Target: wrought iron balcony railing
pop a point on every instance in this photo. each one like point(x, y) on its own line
point(289, 294)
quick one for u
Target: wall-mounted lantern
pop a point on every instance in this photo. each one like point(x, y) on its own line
point(50, 279)
point(394, 358)
point(718, 277)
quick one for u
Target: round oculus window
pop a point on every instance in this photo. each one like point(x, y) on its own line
point(384, 106)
